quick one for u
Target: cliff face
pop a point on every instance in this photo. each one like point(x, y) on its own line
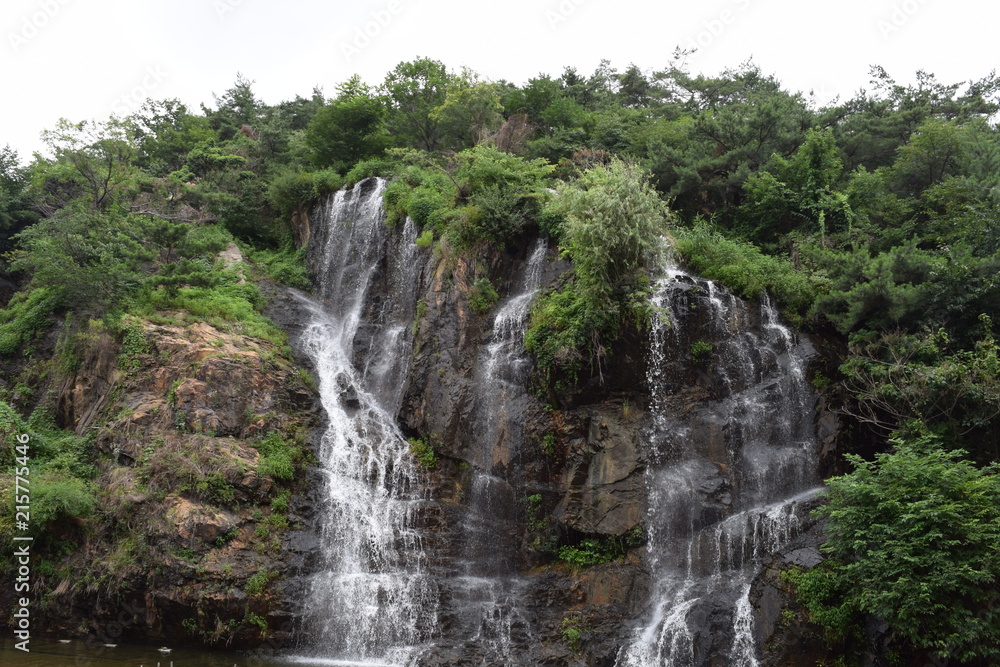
point(198, 427)
point(544, 528)
point(541, 536)
point(564, 472)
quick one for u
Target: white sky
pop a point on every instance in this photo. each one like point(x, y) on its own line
point(83, 59)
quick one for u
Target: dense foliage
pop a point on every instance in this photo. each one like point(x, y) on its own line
point(914, 537)
point(873, 221)
point(613, 223)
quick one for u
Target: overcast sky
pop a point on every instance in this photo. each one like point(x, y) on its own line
point(85, 59)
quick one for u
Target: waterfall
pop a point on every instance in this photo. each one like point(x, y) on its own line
point(727, 476)
point(487, 589)
point(372, 600)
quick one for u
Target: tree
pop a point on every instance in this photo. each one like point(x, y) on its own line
point(635, 89)
point(874, 125)
point(933, 151)
point(86, 258)
point(726, 127)
point(15, 209)
point(470, 113)
point(164, 132)
point(797, 193)
point(614, 222)
point(915, 538)
point(94, 161)
point(237, 108)
point(897, 378)
point(348, 130)
point(415, 90)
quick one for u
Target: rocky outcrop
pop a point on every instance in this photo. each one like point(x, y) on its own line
point(603, 488)
point(579, 474)
point(201, 426)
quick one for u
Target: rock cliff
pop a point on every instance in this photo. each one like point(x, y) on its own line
point(534, 521)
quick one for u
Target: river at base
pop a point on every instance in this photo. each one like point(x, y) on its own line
point(77, 653)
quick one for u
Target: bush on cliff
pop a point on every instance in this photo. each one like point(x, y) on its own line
point(613, 224)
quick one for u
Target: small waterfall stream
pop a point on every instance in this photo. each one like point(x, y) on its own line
point(727, 476)
point(372, 601)
point(488, 588)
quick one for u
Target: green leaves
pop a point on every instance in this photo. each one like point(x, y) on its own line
point(896, 378)
point(613, 222)
point(744, 269)
point(917, 533)
point(350, 129)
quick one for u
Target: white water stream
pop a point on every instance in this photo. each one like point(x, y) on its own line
point(726, 479)
point(372, 602)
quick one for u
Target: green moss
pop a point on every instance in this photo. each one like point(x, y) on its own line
point(424, 452)
point(700, 351)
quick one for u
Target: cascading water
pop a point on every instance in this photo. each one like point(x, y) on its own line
point(487, 590)
point(728, 473)
point(372, 602)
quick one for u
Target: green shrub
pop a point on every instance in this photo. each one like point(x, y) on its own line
point(827, 597)
point(229, 306)
point(58, 495)
point(378, 166)
point(292, 190)
point(258, 582)
point(204, 241)
point(482, 296)
point(744, 269)
point(915, 540)
point(567, 329)
point(285, 265)
point(481, 196)
point(191, 626)
point(613, 224)
point(597, 551)
point(425, 239)
point(251, 618)
point(277, 457)
point(572, 629)
point(280, 503)
point(700, 349)
point(133, 344)
point(424, 452)
point(26, 317)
